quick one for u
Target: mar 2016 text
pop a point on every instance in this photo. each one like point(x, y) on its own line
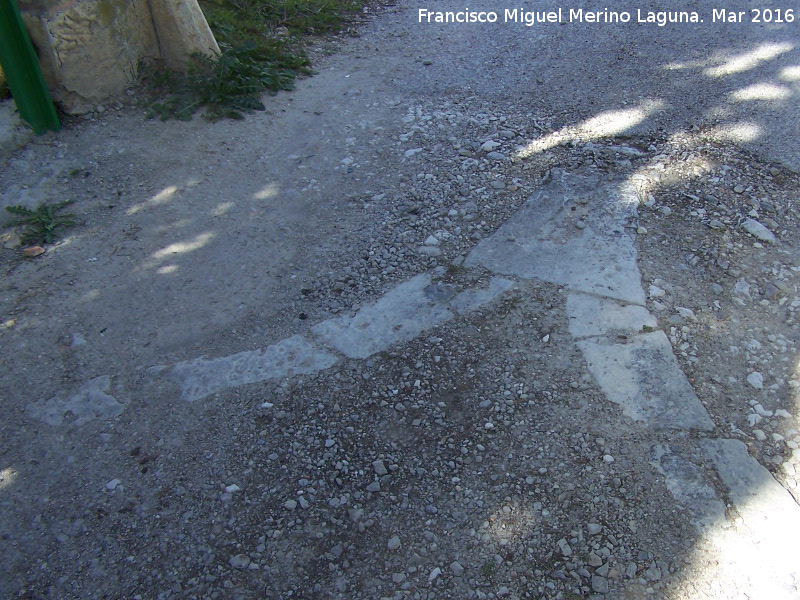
point(580, 15)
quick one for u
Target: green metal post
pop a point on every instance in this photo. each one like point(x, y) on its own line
point(21, 68)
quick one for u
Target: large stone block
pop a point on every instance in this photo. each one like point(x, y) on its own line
point(182, 30)
point(90, 50)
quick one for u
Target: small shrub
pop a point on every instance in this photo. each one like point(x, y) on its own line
point(227, 85)
point(42, 225)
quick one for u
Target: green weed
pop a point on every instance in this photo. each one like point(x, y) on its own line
point(262, 50)
point(42, 225)
point(227, 85)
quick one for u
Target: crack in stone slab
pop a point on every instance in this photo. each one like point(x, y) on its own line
point(593, 316)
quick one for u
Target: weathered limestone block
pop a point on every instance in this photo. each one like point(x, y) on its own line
point(90, 49)
point(182, 30)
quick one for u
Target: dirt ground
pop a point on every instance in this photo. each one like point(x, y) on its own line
point(477, 460)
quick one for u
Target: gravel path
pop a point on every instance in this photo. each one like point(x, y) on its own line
point(458, 318)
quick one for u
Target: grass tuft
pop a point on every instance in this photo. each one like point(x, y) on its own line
point(262, 50)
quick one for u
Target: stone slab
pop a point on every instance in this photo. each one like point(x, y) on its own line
point(469, 300)
point(201, 377)
point(769, 515)
point(91, 401)
point(544, 241)
point(644, 378)
point(754, 555)
point(591, 316)
point(688, 484)
point(768, 510)
point(400, 315)
point(182, 30)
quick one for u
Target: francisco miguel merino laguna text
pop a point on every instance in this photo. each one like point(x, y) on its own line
point(529, 18)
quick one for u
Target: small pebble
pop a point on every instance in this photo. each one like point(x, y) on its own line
point(599, 584)
point(240, 561)
point(756, 379)
point(32, 252)
point(759, 231)
point(630, 570)
point(594, 528)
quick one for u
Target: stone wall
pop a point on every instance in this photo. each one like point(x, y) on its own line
point(89, 50)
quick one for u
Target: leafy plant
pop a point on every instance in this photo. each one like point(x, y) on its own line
point(227, 85)
point(261, 51)
point(44, 223)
